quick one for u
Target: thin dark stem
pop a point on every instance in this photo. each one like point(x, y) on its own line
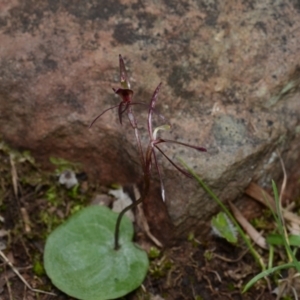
point(120, 216)
point(134, 204)
point(183, 144)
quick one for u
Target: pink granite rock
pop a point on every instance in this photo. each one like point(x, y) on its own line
point(230, 73)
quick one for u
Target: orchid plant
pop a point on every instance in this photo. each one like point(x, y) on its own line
point(149, 158)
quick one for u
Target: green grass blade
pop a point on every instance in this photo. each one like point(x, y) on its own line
point(230, 216)
point(282, 231)
point(265, 274)
point(277, 239)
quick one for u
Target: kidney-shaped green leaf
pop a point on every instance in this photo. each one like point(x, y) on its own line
point(223, 227)
point(81, 261)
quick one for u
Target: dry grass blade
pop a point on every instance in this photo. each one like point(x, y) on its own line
point(289, 216)
point(22, 278)
point(283, 186)
point(289, 285)
point(262, 196)
point(249, 229)
point(8, 288)
point(142, 221)
point(26, 219)
point(14, 175)
point(144, 224)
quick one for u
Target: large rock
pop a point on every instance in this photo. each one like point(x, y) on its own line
point(230, 83)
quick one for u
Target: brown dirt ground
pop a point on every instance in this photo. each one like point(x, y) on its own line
point(32, 203)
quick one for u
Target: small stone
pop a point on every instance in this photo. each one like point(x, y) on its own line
point(122, 201)
point(68, 178)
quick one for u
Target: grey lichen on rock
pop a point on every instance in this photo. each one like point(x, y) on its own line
point(229, 131)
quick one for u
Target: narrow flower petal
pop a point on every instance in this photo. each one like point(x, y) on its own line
point(124, 79)
point(122, 108)
point(202, 149)
point(102, 114)
point(163, 127)
point(184, 172)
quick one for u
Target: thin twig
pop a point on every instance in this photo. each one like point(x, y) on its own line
point(232, 260)
point(22, 278)
point(283, 187)
point(26, 219)
point(8, 288)
point(217, 274)
point(14, 175)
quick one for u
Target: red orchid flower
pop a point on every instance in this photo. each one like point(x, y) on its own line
point(126, 95)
